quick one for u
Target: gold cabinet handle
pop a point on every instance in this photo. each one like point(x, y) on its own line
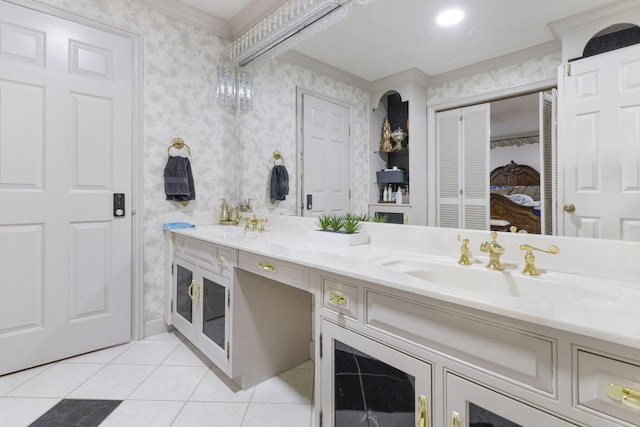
point(423, 412)
point(625, 395)
point(337, 299)
point(190, 290)
point(456, 421)
point(220, 261)
point(267, 267)
point(198, 293)
point(569, 208)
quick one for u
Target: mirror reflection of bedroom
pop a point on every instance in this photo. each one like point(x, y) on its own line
point(520, 178)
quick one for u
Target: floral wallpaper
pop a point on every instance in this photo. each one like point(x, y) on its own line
point(231, 152)
point(533, 70)
point(271, 126)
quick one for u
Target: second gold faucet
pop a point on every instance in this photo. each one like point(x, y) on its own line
point(494, 250)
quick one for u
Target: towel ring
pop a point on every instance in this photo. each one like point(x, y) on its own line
point(277, 156)
point(178, 144)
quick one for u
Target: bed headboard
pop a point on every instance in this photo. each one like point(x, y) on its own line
point(514, 174)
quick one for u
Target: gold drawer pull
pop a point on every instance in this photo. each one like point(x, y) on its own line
point(456, 421)
point(337, 299)
point(423, 412)
point(267, 267)
point(626, 396)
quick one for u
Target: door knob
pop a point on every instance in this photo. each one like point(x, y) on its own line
point(569, 208)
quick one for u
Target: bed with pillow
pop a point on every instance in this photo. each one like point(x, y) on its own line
point(515, 198)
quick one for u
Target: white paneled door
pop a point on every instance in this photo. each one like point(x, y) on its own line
point(326, 157)
point(65, 149)
point(600, 146)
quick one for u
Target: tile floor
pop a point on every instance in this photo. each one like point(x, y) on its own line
point(163, 381)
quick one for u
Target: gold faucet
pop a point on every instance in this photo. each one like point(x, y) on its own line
point(255, 224)
point(529, 258)
point(251, 223)
point(494, 250)
point(464, 252)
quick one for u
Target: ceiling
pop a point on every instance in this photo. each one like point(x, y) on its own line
point(391, 36)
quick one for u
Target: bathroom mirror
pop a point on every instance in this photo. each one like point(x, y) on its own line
point(367, 26)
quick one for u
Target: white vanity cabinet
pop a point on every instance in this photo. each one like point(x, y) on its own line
point(201, 297)
point(472, 367)
point(471, 404)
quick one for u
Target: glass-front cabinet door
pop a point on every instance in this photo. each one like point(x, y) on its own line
point(184, 296)
point(472, 405)
point(214, 313)
point(200, 309)
point(371, 384)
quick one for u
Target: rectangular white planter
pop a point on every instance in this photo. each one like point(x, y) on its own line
point(340, 239)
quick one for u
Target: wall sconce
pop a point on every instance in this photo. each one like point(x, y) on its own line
point(235, 88)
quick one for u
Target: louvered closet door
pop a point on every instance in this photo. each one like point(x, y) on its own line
point(448, 145)
point(463, 167)
point(548, 118)
point(475, 170)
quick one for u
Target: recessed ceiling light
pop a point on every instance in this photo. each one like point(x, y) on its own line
point(450, 17)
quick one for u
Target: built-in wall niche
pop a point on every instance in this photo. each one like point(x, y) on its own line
point(396, 111)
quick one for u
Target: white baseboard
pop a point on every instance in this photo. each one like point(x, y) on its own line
point(155, 327)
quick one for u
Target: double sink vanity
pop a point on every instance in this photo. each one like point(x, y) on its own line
point(402, 334)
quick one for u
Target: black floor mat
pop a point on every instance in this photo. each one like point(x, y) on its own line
point(77, 412)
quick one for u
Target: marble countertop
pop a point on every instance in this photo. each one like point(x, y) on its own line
point(606, 309)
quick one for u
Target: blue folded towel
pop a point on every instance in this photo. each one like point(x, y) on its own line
point(279, 187)
point(172, 225)
point(178, 179)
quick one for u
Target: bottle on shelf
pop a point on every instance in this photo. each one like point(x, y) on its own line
point(385, 195)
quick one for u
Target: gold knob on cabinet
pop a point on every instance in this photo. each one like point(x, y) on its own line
point(569, 208)
point(190, 291)
point(423, 412)
point(456, 420)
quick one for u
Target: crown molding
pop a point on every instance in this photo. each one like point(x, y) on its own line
point(412, 75)
point(176, 9)
point(577, 21)
point(538, 51)
point(309, 63)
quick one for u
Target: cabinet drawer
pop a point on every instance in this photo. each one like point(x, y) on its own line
point(280, 271)
point(218, 256)
point(511, 353)
point(608, 386)
point(340, 298)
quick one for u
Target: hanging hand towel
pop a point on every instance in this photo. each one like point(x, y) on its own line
point(279, 183)
point(178, 179)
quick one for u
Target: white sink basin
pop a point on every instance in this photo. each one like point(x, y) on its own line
point(476, 280)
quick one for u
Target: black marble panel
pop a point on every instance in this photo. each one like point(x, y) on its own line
point(77, 413)
point(480, 417)
point(370, 392)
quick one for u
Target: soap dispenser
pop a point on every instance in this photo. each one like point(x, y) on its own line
point(224, 211)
